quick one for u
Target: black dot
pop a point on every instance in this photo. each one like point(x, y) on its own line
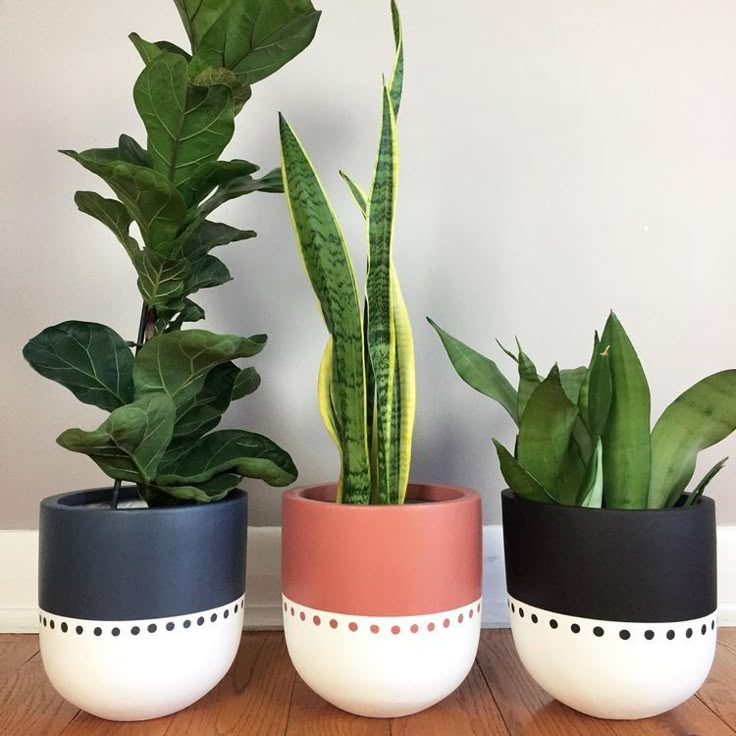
point(712, 625)
point(521, 612)
point(670, 635)
point(152, 628)
point(40, 618)
point(553, 623)
point(575, 629)
point(44, 620)
point(79, 630)
point(200, 620)
point(598, 631)
point(624, 634)
point(52, 624)
point(226, 614)
point(649, 634)
point(64, 627)
point(513, 608)
point(703, 630)
point(115, 631)
point(170, 626)
point(97, 631)
point(235, 609)
point(534, 618)
point(187, 623)
point(135, 631)
point(213, 617)
point(689, 633)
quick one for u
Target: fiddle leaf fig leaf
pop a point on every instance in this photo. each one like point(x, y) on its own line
point(130, 443)
point(208, 491)
point(246, 382)
point(150, 50)
point(114, 216)
point(190, 312)
point(187, 125)
point(234, 451)
point(177, 363)
point(132, 152)
point(208, 271)
point(161, 279)
point(89, 359)
point(206, 178)
point(198, 16)
point(219, 75)
point(271, 182)
point(209, 235)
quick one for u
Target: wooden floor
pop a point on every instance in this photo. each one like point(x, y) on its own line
point(262, 696)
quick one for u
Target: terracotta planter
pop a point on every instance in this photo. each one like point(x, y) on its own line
point(613, 611)
point(382, 604)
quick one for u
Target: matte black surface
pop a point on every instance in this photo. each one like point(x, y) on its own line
point(139, 563)
point(617, 565)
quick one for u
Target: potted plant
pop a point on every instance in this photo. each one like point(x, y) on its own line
point(381, 574)
point(610, 564)
point(141, 586)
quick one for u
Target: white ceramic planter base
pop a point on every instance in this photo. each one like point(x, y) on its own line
point(612, 669)
point(382, 666)
point(135, 670)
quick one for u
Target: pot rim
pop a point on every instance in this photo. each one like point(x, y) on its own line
point(457, 495)
point(64, 502)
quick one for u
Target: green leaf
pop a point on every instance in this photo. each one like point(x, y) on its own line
point(700, 417)
point(208, 176)
point(240, 186)
point(545, 447)
point(591, 490)
point(697, 492)
point(132, 152)
point(190, 312)
point(114, 216)
point(213, 75)
point(161, 279)
point(150, 198)
point(214, 489)
point(528, 380)
point(572, 381)
point(519, 480)
point(396, 82)
point(208, 235)
point(232, 451)
point(479, 372)
point(626, 448)
point(205, 273)
point(331, 274)
point(255, 38)
point(594, 402)
point(359, 195)
point(130, 443)
point(246, 382)
point(89, 359)
point(198, 16)
point(149, 51)
point(187, 125)
point(177, 363)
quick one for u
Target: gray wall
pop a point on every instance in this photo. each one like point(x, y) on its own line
point(558, 159)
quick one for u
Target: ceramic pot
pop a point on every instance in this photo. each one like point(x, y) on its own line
point(613, 612)
point(382, 604)
point(141, 609)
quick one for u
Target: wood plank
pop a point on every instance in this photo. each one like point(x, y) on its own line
point(29, 706)
point(719, 690)
point(469, 711)
point(86, 725)
point(312, 716)
point(527, 709)
point(16, 650)
point(252, 699)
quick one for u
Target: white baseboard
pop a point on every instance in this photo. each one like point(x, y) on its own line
point(19, 556)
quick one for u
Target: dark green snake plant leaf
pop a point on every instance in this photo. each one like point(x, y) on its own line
point(330, 272)
point(700, 417)
point(528, 379)
point(89, 359)
point(131, 442)
point(699, 489)
point(479, 372)
point(518, 479)
point(626, 444)
point(591, 490)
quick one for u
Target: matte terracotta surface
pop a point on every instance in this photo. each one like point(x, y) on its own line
point(382, 560)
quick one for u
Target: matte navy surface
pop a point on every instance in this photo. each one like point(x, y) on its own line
point(611, 564)
point(124, 564)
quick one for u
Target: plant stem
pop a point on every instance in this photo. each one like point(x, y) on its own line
point(148, 318)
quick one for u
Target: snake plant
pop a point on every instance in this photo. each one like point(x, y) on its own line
point(366, 385)
point(165, 396)
point(584, 436)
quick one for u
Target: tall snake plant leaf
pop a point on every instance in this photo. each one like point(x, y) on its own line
point(187, 125)
point(545, 446)
point(359, 195)
point(381, 329)
point(519, 480)
point(89, 359)
point(330, 272)
point(479, 372)
point(131, 442)
point(700, 417)
point(626, 445)
point(396, 82)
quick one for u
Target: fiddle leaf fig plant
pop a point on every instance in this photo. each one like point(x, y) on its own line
point(584, 435)
point(167, 390)
point(366, 384)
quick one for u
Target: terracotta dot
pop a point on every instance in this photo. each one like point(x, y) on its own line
point(374, 628)
point(470, 613)
point(333, 623)
point(446, 623)
point(302, 616)
point(292, 610)
point(396, 629)
point(317, 620)
point(414, 628)
point(460, 618)
point(430, 626)
point(353, 626)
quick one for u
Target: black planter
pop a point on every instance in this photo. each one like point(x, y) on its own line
point(612, 611)
point(141, 609)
